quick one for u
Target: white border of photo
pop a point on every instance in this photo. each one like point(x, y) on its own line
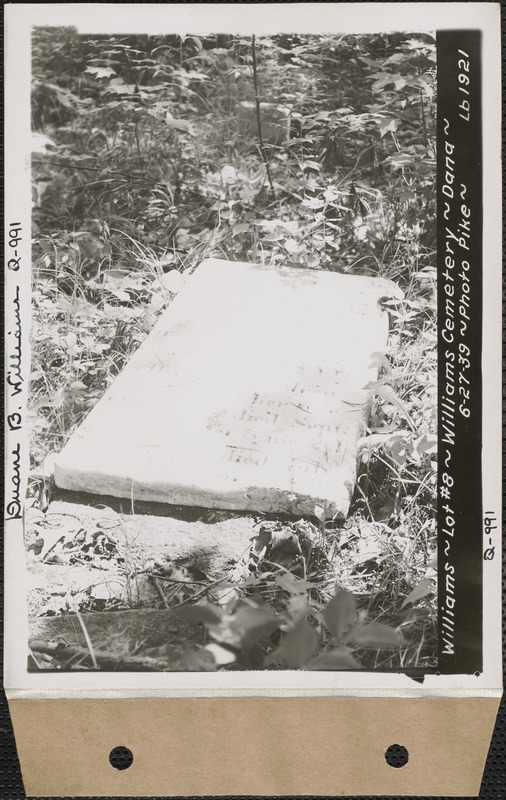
point(262, 19)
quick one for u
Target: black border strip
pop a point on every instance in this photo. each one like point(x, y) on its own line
point(460, 316)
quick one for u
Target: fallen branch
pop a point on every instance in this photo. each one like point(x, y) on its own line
point(69, 654)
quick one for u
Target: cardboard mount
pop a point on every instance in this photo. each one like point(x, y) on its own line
point(254, 746)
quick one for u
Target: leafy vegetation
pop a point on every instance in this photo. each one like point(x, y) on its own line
point(152, 152)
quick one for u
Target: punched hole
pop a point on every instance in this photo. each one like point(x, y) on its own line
point(121, 757)
point(396, 756)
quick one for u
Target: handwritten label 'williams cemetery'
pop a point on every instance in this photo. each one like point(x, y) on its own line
point(249, 394)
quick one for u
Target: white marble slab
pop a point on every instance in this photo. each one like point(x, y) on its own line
point(248, 394)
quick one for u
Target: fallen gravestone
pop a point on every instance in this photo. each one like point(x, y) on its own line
point(249, 394)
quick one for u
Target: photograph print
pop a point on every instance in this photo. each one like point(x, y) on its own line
point(233, 400)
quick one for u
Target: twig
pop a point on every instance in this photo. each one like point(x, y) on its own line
point(65, 165)
point(159, 589)
point(366, 501)
point(87, 639)
point(123, 175)
point(36, 660)
point(259, 119)
point(59, 541)
point(199, 593)
point(141, 163)
point(177, 580)
point(424, 121)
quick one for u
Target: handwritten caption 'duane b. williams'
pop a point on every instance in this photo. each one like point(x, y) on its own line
point(14, 379)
